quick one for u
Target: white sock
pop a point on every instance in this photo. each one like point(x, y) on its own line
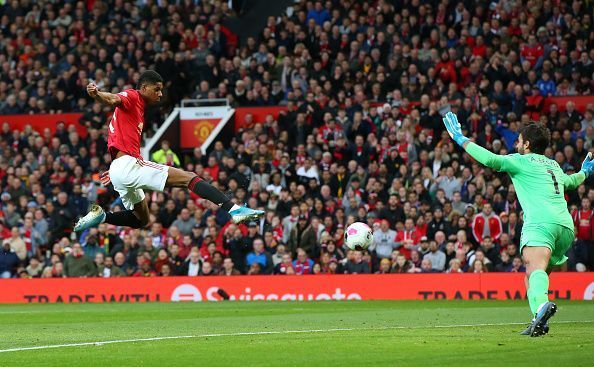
point(235, 206)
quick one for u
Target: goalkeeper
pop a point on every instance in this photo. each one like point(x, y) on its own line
point(548, 229)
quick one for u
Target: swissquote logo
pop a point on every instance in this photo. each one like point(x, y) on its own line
point(589, 292)
point(186, 292)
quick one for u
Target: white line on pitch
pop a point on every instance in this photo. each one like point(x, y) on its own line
point(247, 333)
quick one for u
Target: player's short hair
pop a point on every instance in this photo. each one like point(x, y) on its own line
point(538, 136)
point(149, 77)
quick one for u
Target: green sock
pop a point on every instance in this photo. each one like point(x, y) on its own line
point(538, 291)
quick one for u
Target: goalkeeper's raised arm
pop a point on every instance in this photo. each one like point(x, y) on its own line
point(507, 163)
point(477, 152)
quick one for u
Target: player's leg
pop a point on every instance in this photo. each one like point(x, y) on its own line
point(138, 217)
point(126, 174)
point(537, 261)
point(555, 241)
point(537, 279)
point(537, 244)
point(179, 178)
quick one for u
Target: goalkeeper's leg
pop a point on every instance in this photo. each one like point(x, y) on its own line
point(537, 282)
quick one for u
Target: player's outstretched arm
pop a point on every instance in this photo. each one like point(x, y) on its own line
point(109, 99)
point(477, 152)
point(573, 181)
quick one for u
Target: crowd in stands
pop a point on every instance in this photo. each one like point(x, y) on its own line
point(360, 140)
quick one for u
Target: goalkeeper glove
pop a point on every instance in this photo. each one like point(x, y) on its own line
point(454, 129)
point(588, 165)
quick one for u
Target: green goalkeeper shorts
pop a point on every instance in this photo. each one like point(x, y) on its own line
point(554, 236)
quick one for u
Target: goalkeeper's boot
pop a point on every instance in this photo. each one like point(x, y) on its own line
point(244, 214)
point(545, 329)
point(545, 312)
point(94, 217)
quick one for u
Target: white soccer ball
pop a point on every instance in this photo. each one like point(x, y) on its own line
point(358, 236)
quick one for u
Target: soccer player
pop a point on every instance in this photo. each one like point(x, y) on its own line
point(130, 174)
point(548, 229)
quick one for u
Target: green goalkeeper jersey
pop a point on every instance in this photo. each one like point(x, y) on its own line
point(540, 184)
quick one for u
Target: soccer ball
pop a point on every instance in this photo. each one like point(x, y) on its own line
point(358, 236)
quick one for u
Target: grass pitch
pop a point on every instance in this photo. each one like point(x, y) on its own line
point(356, 333)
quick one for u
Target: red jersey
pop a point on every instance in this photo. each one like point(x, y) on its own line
point(405, 234)
point(584, 224)
point(125, 127)
point(532, 54)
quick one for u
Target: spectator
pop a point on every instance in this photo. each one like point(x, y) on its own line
point(356, 265)
point(165, 271)
point(438, 223)
point(160, 156)
point(8, 261)
point(206, 269)
point(176, 262)
point(304, 237)
point(384, 267)
point(307, 171)
point(486, 223)
point(517, 266)
point(448, 183)
point(193, 265)
point(582, 250)
point(402, 265)
point(458, 205)
point(185, 222)
point(480, 255)
point(109, 270)
point(408, 238)
point(162, 259)
point(261, 256)
point(282, 267)
point(144, 268)
point(491, 250)
point(17, 244)
point(99, 260)
point(228, 268)
point(318, 14)
point(505, 262)
point(478, 266)
point(35, 268)
point(62, 216)
point(76, 264)
point(289, 222)
point(302, 265)
point(393, 212)
point(54, 271)
point(383, 241)
point(437, 258)
point(255, 269)
point(455, 267)
point(426, 267)
point(120, 262)
point(277, 257)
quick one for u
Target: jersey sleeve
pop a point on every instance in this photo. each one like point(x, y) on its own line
point(573, 181)
point(129, 98)
point(502, 163)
